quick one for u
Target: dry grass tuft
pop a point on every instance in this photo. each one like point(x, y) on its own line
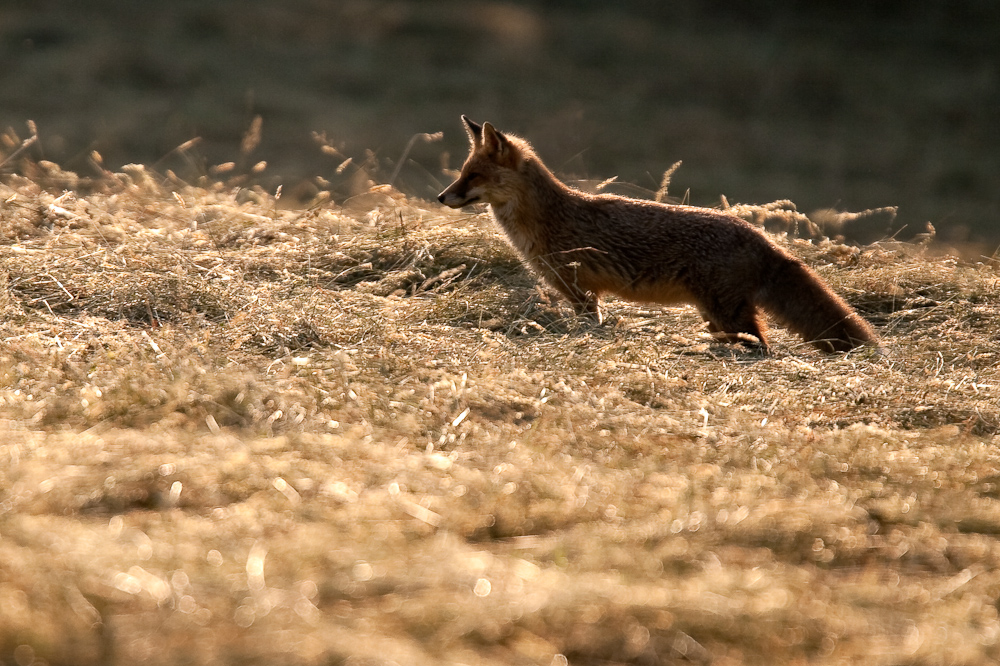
point(358, 433)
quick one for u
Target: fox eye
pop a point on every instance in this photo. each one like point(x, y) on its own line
point(475, 174)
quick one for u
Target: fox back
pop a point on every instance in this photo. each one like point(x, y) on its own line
point(585, 245)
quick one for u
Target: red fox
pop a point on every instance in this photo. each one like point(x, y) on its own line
point(586, 245)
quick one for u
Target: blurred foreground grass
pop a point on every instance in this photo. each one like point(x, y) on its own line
point(357, 434)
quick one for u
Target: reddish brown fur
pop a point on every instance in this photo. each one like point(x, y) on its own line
point(586, 245)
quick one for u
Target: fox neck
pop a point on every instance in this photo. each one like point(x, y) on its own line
point(534, 208)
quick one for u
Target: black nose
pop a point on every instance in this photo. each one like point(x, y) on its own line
point(441, 197)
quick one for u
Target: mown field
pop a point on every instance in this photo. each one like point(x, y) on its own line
point(357, 433)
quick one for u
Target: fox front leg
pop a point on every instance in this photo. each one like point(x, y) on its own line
point(586, 304)
point(565, 280)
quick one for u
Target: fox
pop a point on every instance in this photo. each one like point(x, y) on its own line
point(587, 245)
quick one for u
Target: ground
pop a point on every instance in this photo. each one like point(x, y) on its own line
point(357, 432)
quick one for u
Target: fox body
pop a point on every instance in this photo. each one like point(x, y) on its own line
point(586, 245)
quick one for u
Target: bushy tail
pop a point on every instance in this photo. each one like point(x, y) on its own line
point(800, 301)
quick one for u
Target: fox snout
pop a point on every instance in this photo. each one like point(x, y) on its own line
point(456, 195)
point(449, 199)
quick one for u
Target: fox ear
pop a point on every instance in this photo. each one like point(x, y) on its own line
point(494, 141)
point(474, 130)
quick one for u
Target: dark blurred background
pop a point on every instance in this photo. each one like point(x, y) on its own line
point(847, 104)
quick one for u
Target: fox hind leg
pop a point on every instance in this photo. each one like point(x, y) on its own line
point(735, 325)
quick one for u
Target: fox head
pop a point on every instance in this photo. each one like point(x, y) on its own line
point(490, 172)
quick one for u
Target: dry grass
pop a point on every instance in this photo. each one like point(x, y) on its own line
point(357, 434)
